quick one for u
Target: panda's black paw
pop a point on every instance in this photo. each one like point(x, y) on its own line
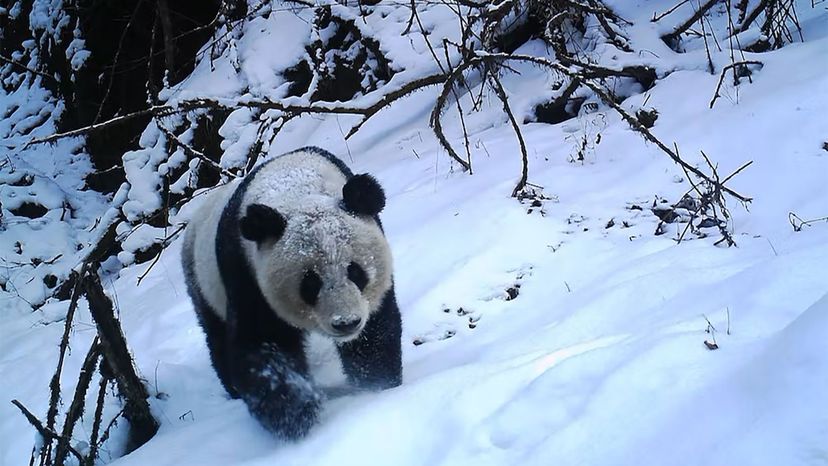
point(363, 195)
point(287, 419)
point(284, 401)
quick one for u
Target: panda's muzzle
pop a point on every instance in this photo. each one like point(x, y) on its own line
point(346, 325)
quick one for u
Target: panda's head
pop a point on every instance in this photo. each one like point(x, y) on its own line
point(324, 266)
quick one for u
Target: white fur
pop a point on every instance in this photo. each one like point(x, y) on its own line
point(323, 361)
point(201, 234)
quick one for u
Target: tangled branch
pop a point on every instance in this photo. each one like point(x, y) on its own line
point(497, 58)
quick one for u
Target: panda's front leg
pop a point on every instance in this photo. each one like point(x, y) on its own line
point(276, 391)
point(373, 360)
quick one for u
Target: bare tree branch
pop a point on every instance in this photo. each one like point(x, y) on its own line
point(671, 37)
point(751, 17)
point(504, 99)
point(657, 17)
point(46, 433)
point(194, 104)
point(626, 116)
point(189, 150)
point(392, 96)
point(722, 76)
point(27, 69)
point(143, 425)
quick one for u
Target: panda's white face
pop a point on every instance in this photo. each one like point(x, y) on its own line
point(326, 272)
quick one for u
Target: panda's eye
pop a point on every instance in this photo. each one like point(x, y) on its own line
point(357, 275)
point(310, 286)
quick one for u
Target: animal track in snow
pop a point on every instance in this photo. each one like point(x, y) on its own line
point(469, 314)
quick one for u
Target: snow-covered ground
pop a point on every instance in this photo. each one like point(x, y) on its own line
point(600, 357)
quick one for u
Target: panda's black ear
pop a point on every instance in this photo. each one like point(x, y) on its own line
point(363, 195)
point(261, 223)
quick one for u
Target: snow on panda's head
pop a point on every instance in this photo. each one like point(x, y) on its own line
point(322, 262)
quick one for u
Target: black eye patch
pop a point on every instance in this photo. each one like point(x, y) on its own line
point(310, 287)
point(262, 223)
point(357, 275)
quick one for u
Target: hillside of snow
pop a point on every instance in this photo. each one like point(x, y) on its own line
point(561, 333)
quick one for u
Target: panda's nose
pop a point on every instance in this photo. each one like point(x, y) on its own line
point(346, 324)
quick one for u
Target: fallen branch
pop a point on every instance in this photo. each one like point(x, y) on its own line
point(136, 409)
point(645, 75)
point(750, 18)
point(797, 223)
point(673, 36)
point(709, 199)
point(716, 94)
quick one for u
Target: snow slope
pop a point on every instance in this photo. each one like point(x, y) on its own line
point(600, 358)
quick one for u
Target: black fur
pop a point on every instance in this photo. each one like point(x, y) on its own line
point(262, 223)
point(261, 358)
point(373, 360)
point(357, 275)
point(363, 195)
point(310, 287)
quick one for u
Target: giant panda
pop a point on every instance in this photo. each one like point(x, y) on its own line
point(293, 251)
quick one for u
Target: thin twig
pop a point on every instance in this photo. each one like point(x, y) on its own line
point(27, 69)
point(190, 151)
point(166, 241)
point(47, 434)
point(524, 157)
point(657, 17)
point(707, 47)
point(727, 313)
point(793, 219)
point(115, 61)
